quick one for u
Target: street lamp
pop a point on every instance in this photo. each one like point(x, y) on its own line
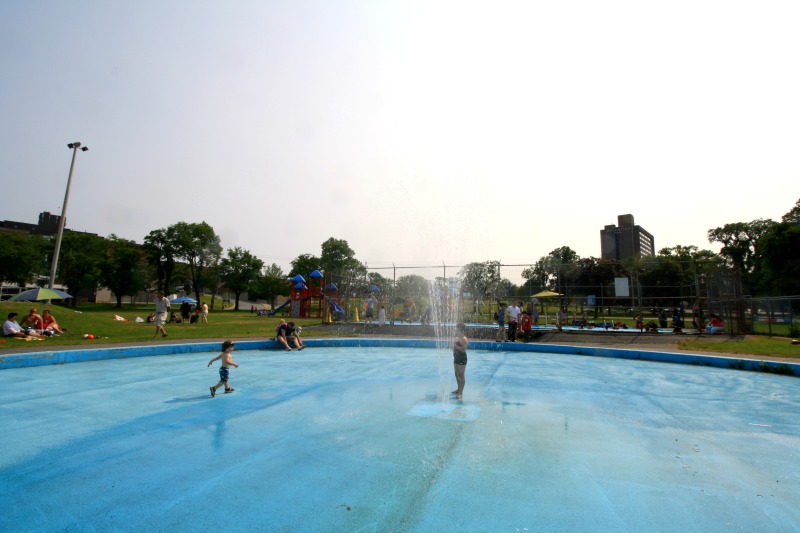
point(74, 147)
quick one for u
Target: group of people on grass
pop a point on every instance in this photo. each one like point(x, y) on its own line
point(163, 315)
point(32, 325)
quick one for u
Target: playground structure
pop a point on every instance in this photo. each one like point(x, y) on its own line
point(307, 299)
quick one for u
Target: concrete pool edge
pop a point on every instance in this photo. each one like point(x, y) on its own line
point(56, 357)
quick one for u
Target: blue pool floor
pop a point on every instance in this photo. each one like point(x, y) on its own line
point(361, 439)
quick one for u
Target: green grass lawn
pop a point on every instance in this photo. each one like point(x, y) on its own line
point(749, 345)
point(98, 320)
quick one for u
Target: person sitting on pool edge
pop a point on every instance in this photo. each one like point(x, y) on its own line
point(286, 331)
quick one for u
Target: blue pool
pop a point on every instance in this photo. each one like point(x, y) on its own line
point(361, 439)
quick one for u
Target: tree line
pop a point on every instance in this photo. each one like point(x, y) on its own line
point(763, 254)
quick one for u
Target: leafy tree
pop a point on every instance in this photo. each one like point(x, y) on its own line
point(793, 216)
point(123, 267)
point(304, 265)
point(740, 245)
point(482, 280)
point(211, 283)
point(340, 266)
point(412, 285)
point(239, 271)
point(81, 262)
point(159, 247)
point(270, 283)
point(537, 276)
point(199, 246)
point(22, 257)
point(779, 260)
point(383, 283)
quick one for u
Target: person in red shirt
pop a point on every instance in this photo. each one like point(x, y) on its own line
point(525, 326)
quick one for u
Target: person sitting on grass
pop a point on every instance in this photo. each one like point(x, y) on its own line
point(47, 325)
point(715, 325)
point(286, 333)
point(12, 329)
point(31, 321)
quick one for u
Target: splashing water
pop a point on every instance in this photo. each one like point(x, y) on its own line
point(445, 314)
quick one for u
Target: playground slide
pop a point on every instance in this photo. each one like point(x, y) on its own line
point(284, 304)
point(336, 307)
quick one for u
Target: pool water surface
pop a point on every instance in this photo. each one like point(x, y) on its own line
point(366, 439)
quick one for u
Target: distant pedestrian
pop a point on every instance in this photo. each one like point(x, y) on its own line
point(204, 313)
point(227, 362)
point(162, 314)
point(662, 318)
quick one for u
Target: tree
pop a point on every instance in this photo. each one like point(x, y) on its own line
point(304, 265)
point(239, 271)
point(375, 279)
point(22, 257)
point(412, 285)
point(779, 261)
point(338, 262)
point(740, 245)
point(199, 246)
point(159, 247)
point(81, 262)
point(481, 280)
point(271, 283)
point(793, 216)
point(537, 276)
point(123, 267)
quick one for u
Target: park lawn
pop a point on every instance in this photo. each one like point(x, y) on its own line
point(98, 320)
point(747, 346)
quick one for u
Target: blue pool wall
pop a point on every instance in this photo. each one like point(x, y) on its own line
point(82, 355)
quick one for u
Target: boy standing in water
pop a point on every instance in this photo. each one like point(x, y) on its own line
point(225, 356)
point(460, 359)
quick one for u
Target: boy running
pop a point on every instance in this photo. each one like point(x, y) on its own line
point(225, 357)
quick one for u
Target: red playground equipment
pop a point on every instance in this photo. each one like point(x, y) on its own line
point(306, 298)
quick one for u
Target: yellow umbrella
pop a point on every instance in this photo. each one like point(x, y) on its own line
point(546, 294)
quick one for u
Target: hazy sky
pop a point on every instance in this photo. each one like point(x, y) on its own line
point(420, 132)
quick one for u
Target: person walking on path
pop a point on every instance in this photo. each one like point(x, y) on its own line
point(460, 360)
point(162, 314)
point(227, 362)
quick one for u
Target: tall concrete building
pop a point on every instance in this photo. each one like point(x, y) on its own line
point(626, 239)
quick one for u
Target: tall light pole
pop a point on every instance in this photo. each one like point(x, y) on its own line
point(74, 147)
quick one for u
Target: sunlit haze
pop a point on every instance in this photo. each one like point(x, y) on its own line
point(422, 133)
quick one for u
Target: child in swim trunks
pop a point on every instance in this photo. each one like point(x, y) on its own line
point(227, 362)
point(460, 359)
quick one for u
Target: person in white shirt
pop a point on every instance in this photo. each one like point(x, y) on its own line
point(162, 314)
point(11, 328)
point(512, 314)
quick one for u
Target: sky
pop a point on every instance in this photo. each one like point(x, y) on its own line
point(421, 132)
